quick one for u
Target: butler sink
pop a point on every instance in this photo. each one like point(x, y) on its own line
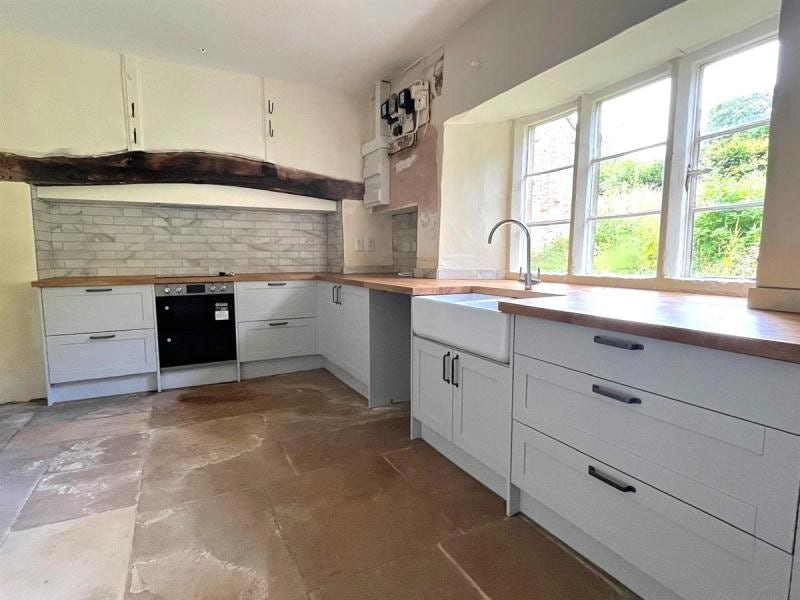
point(470, 322)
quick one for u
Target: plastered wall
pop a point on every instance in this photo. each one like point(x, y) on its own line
point(21, 363)
point(476, 189)
point(779, 268)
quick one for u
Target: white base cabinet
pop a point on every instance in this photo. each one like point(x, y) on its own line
point(683, 461)
point(465, 399)
point(344, 332)
point(99, 340)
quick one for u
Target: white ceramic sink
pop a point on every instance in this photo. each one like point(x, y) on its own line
point(470, 322)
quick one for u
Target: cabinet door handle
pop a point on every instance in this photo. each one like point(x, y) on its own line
point(454, 369)
point(279, 323)
point(617, 485)
point(619, 397)
point(271, 130)
point(98, 289)
point(276, 283)
point(103, 337)
point(623, 344)
point(339, 294)
point(444, 367)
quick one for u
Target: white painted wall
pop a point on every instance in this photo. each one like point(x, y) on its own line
point(779, 267)
point(359, 222)
point(21, 363)
point(515, 40)
point(476, 189)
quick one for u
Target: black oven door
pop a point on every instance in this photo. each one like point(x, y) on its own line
point(194, 330)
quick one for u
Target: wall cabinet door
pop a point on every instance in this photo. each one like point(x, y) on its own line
point(354, 305)
point(313, 129)
point(196, 109)
point(328, 322)
point(431, 391)
point(482, 410)
point(59, 99)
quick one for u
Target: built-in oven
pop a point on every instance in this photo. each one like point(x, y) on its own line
point(196, 323)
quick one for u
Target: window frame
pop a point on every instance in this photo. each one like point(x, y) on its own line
point(675, 235)
point(697, 62)
point(518, 209)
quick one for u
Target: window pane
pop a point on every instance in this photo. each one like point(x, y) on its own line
point(725, 243)
point(549, 197)
point(550, 248)
point(737, 90)
point(627, 246)
point(631, 183)
point(739, 168)
point(552, 145)
point(635, 119)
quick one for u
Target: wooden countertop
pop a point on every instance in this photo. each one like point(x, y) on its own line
point(709, 321)
point(716, 322)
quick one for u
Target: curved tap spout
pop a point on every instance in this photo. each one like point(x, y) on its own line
point(529, 280)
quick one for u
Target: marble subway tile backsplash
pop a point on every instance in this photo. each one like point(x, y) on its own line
point(74, 239)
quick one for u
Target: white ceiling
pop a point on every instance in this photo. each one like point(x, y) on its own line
point(347, 44)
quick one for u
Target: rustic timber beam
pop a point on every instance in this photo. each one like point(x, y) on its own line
point(174, 167)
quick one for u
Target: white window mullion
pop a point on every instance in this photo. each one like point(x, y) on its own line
point(674, 231)
point(581, 188)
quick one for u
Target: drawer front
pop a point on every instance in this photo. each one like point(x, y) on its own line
point(266, 340)
point(688, 551)
point(265, 300)
point(743, 473)
point(756, 389)
point(98, 308)
point(99, 355)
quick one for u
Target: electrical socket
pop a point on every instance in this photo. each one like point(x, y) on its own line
point(359, 244)
point(370, 244)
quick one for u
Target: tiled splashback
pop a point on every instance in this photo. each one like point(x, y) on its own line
point(404, 241)
point(74, 239)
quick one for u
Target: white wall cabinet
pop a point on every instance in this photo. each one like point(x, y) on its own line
point(313, 129)
point(196, 109)
point(465, 399)
point(59, 98)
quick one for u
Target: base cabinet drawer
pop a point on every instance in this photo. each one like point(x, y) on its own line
point(100, 355)
point(743, 473)
point(721, 381)
point(265, 300)
point(687, 550)
point(97, 308)
point(266, 340)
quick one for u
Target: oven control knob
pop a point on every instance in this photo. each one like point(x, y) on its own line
point(222, 288)
point(167, 290)
point(213, 288)
point(178, 290)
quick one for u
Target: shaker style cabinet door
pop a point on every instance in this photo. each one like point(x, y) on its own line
point(431, 391)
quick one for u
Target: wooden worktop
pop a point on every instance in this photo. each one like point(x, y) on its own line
point(716, 322)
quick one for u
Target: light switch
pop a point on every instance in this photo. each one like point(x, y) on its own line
point(370, 244)
point(359, 244)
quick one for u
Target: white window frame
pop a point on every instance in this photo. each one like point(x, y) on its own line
point(695, 64)
point(675, 239)
point(518, 204)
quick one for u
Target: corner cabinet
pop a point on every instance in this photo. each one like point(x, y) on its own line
point(465, 399)
point(344, 330)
